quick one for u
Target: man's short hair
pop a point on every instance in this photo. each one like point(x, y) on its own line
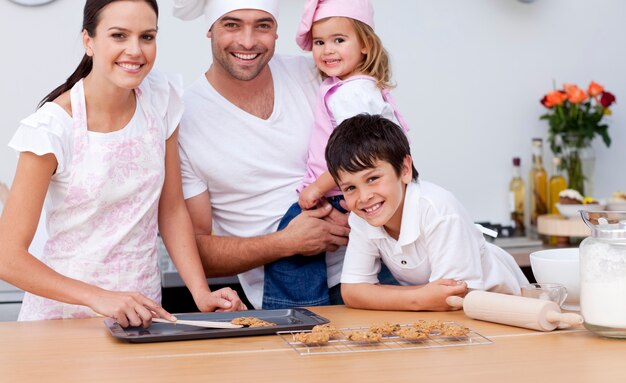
point(358, 142)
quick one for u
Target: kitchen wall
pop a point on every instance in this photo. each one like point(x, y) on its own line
point(470, 74)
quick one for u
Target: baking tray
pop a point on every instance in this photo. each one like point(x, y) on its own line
point(286, 320)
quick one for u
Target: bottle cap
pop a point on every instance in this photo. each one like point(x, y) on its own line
point(516, 161)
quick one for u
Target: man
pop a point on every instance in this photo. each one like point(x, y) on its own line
point(243, 145)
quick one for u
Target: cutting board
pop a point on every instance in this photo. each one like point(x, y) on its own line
point(557, 225)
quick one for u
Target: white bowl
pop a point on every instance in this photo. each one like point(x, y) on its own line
point(572, 211)
point(559, 266)
point(616, 206)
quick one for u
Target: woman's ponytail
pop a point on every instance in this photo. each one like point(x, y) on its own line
point(83, 69)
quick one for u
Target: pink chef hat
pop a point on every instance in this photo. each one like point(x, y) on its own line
point(315, 10)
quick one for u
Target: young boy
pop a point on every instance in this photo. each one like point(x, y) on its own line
point(418, 229)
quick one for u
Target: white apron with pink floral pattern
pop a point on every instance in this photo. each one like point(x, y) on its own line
point(104, 232)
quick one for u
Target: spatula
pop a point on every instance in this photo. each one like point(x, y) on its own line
point(199, 323)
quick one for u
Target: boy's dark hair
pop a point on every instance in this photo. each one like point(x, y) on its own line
point(358, 142)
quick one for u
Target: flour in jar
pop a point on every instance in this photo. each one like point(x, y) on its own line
point(603, 284)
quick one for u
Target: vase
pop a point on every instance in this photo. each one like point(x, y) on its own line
point(578, 160)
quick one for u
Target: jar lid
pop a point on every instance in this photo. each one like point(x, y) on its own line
point(605, 224)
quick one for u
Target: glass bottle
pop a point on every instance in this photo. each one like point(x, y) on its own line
point(538, 187)
point(603, 273)
point(516, 199)
point(557, 184)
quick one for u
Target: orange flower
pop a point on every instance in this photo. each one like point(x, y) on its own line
point(595, 89)
point(575, 95)
point(569, 86)
point(556, 97)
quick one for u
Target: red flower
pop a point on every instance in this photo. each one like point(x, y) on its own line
point(606, 99)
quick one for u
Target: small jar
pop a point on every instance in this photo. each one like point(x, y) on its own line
point(603, 273)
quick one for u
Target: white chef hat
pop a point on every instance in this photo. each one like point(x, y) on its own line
point(214, 9)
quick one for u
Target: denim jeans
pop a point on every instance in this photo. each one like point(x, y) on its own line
point(297, 280)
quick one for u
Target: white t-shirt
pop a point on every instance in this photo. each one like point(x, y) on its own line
point(437, 240)
point(251, 167)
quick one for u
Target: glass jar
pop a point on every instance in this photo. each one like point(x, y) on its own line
point(578, 159)
point(603, 273)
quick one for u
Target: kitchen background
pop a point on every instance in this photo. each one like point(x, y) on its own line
point(470, 75)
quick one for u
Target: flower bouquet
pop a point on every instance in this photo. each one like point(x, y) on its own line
point(575, 118)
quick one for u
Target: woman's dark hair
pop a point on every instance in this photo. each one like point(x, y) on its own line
point(91, 18)
point(358, 142)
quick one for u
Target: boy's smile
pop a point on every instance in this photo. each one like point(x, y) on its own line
point(376, 194)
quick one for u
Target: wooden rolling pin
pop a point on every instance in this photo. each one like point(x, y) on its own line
point(532, 313)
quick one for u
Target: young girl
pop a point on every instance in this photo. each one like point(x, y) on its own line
point(102, 151)
point(356, 72)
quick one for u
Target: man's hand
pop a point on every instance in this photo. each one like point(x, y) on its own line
point(225, 299)
point(335, 216)
point(316, 231)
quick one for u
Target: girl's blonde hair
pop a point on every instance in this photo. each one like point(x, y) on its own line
point(376, 62)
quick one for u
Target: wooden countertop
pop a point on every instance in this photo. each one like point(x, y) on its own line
point(84, 351)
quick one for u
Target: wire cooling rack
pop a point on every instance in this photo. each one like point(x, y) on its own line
point(340, 344)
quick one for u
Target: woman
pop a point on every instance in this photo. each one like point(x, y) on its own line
point(102, 152)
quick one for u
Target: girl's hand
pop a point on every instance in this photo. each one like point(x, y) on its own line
point(309, 197)
point(225, 299)
point(433, 295)
point(128, 308)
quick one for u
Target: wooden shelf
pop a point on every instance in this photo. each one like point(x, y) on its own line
point(557, 225)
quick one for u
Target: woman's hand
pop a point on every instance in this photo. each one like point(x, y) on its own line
point(221, 300)
point(128, 308)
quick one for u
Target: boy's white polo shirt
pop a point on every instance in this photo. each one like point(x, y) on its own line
point(437, 240)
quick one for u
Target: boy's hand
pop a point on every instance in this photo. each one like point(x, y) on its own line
point(433, 295)
point(309, 197)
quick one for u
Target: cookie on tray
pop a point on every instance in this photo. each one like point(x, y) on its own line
point(252, 322)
